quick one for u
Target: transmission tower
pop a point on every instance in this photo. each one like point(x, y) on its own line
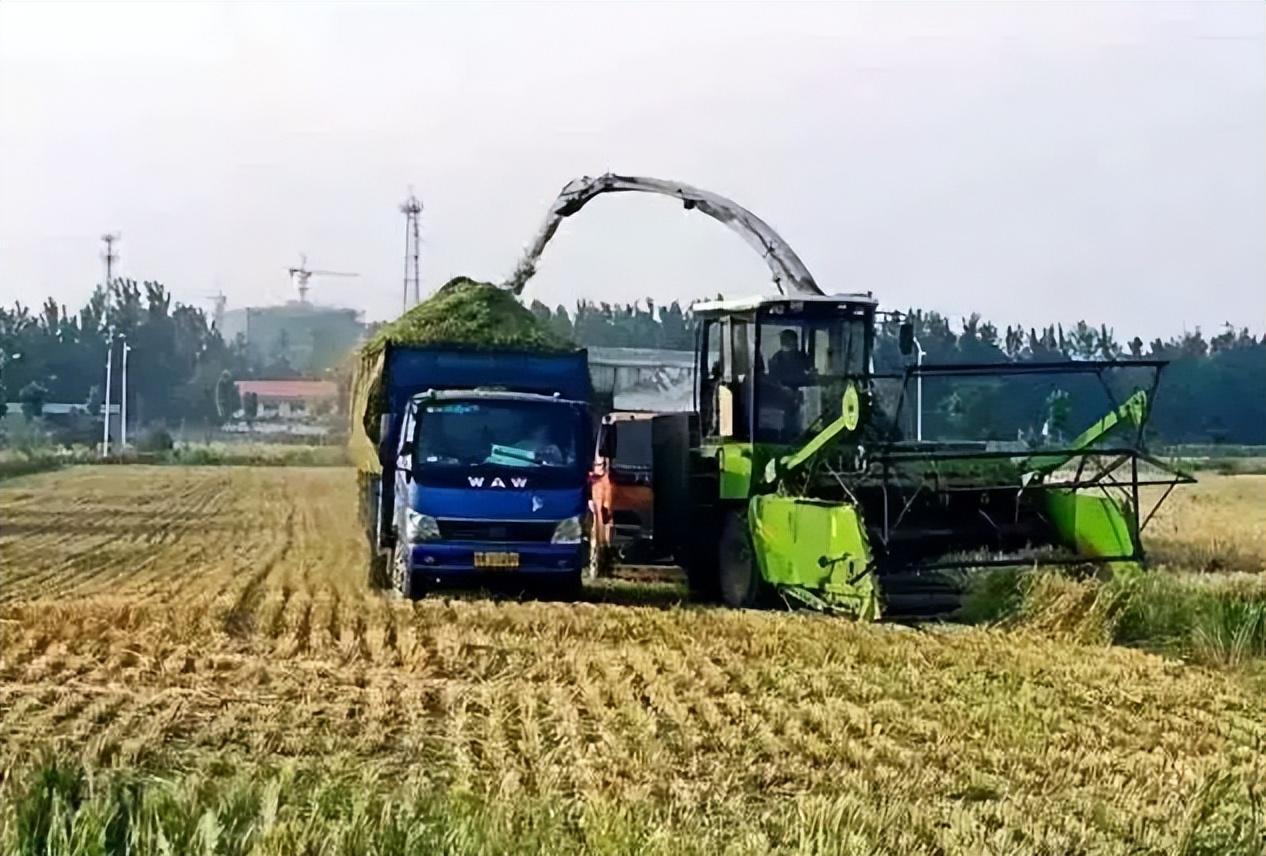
point(412, 210)
point(110, 256)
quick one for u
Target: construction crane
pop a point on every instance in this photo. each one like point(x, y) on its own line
point(219, 301)
point(300, 275)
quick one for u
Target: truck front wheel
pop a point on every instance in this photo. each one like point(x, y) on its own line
point(402, 579)
point(741, 582)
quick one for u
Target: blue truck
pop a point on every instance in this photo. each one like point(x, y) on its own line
point(483, 468)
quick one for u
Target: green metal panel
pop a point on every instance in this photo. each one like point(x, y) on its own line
point(1092, 524)
point(1133, 411)
point(815, 551)
point(739, 466)
point(734, 466)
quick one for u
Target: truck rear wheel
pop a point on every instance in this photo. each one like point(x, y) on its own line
point(379, 578)
point(741, 583)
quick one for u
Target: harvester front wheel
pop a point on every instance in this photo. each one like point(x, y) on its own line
point(741, 582)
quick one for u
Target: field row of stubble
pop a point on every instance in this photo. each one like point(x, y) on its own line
point(217, 620)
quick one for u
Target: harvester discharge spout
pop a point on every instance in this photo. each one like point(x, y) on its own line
point(789, 273)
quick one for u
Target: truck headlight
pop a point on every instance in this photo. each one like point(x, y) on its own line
point(421, 527)
point(569, 531)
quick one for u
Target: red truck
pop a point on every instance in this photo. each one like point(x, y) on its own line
point(624, 483)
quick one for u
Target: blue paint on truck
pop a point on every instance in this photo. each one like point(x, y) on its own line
point(485, 466)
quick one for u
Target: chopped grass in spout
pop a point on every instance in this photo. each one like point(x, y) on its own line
point(465, 313)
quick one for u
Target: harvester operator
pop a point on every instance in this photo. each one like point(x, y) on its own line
point(789, 366)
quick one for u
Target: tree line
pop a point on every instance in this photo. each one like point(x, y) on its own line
point(1211, 393)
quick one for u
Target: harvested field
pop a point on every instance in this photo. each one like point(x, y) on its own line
point(207, 633)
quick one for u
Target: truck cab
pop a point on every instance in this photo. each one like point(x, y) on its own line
point(490, 483)
point(639, 456)
point(480, 465)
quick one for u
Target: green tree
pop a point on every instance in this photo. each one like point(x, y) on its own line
point(1058, 410)
point(250, 407)
point(227, 400)
point(33, 396)
point(94, 401)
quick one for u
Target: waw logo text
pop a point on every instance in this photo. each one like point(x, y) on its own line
point(478, 481)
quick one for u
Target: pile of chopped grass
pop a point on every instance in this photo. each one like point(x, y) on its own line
point(469, 314)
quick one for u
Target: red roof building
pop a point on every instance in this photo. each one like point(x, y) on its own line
point(289, 399)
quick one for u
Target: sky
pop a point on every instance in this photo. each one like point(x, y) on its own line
point(1031, 162)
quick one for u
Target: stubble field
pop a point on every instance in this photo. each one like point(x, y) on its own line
point(190, 659)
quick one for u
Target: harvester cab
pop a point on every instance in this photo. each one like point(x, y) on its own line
point(779, 380)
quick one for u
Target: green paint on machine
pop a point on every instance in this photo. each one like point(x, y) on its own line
point(816, 552)
point(1095, 526)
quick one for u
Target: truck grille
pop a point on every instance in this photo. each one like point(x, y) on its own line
point(491, 530)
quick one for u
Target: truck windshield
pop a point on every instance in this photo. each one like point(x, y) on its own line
point(527, 434)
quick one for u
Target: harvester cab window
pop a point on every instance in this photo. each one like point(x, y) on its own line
point(734, 389)
point(807, 360)
point(709, 374)
point(725, 375)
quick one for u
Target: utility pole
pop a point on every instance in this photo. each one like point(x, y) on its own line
point(412, 210)
point(110, 256)
point(105, 423)
point(918, 394)
point(123, 400)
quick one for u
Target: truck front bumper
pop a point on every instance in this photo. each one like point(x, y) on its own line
point(457, 558)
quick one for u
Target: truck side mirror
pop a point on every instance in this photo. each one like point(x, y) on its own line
point(606, 442)
point(905, 338)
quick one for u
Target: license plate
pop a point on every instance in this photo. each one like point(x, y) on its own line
point(496, 560)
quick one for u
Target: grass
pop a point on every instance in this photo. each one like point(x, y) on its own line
point(1218, 524)
point(66, 810)
point(256, 455)
point(1205, 600)
point(190, 662)
point(1218, 620)
point(38, 459)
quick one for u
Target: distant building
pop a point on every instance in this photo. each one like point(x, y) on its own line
point(643, 378)
point(61, 408)
point(291, 399)
point(308, 337)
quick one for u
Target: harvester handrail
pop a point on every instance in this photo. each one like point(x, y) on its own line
point(1024, 367)
point(986, 454)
